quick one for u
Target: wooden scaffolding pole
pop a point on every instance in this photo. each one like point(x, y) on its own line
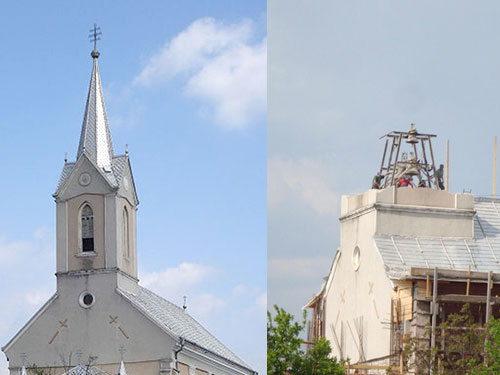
point(488, 299)
point(434, 309)
point(494, 167)
point(447, 165)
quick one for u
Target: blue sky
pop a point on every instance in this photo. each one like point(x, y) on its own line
point(344, 73)
point(185, 87)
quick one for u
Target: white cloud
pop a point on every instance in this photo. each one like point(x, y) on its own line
point(222, 69)
point(310, 179)
point(239, 290)
point(37, 297)
point(24, 263)
point(182, 277)
point(205, 304)
point(261, 302)
point(298, 268)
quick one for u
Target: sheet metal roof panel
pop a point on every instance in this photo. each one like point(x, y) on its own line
point(481, 253)
point(179, 322)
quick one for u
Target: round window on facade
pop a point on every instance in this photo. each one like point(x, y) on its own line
point(86, 300)
point(356, 254)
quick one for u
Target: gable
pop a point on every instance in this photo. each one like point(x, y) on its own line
point(64, 327)
point(84, 178)
point(125, 179)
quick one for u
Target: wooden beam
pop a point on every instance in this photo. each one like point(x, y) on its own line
point(488, 299)
point(454, 275)
point(468, 282)
point(461, 298)
point(434, 308)
point(427, 285)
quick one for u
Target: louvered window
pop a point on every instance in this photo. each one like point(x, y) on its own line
point(87, 228)
point(126, 249)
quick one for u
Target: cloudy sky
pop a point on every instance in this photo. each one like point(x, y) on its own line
point(342, 74)
point(185, 88)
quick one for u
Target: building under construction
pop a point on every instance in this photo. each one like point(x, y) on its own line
point(408, 258)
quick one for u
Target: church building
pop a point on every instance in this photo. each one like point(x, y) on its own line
point(100, 318)
point(409, 257)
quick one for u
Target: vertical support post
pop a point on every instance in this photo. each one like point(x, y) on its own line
point(494, 167)
point(488, 299)
point(400, 139)
point(389, 162)
point(429, 182)
point(436, 186)
point(427, 286)
point(434, 309)
point(488, 312)
point(447, 165)
point(383, 156)
point(468, 281)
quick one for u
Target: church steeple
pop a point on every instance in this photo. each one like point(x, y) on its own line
point(96, 199)
point(95, 138)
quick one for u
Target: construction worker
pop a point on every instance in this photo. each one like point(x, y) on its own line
point(377, 181)
point(439, 176)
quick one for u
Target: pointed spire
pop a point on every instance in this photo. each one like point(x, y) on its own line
point(95, 139)
point(122, 370)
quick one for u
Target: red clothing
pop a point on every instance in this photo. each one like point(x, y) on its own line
point(404, 182)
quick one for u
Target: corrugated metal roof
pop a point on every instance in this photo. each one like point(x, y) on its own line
point(482, 253)
point(179, 322)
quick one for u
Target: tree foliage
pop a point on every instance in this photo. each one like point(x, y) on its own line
point(284, 349)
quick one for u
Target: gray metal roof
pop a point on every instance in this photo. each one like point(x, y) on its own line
point(95, 138)
point(83, 370)
point(177, 321)
point(482, 253)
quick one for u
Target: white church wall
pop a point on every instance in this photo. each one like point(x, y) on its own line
point(66, 328)
point(357, 302)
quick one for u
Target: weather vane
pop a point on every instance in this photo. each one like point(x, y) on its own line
point(95, 35)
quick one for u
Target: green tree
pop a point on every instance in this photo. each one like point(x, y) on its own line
point(317, 361)
point(492, 364)
point(285, 355)
point(283, 342)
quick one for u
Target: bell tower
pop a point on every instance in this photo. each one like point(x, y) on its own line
point(96, 201)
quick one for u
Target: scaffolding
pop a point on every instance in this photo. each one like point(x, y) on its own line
point(415, 159)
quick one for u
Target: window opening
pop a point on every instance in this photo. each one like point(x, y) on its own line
point(87, 228)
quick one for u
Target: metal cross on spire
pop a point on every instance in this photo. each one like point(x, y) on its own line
point(95, 35)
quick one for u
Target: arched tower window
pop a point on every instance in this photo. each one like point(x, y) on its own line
point(87, 222)
point(125, 240)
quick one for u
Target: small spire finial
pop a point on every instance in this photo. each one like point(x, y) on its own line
point(79, 356)
point(185, 305)
point(126, 149)
point(94, 37)
point(65, 157)
point(24, 356)
point(122, 351)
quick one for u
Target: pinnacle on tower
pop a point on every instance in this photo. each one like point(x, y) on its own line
point(95, 139)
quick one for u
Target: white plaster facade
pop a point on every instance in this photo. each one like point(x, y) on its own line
point(353, 309)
